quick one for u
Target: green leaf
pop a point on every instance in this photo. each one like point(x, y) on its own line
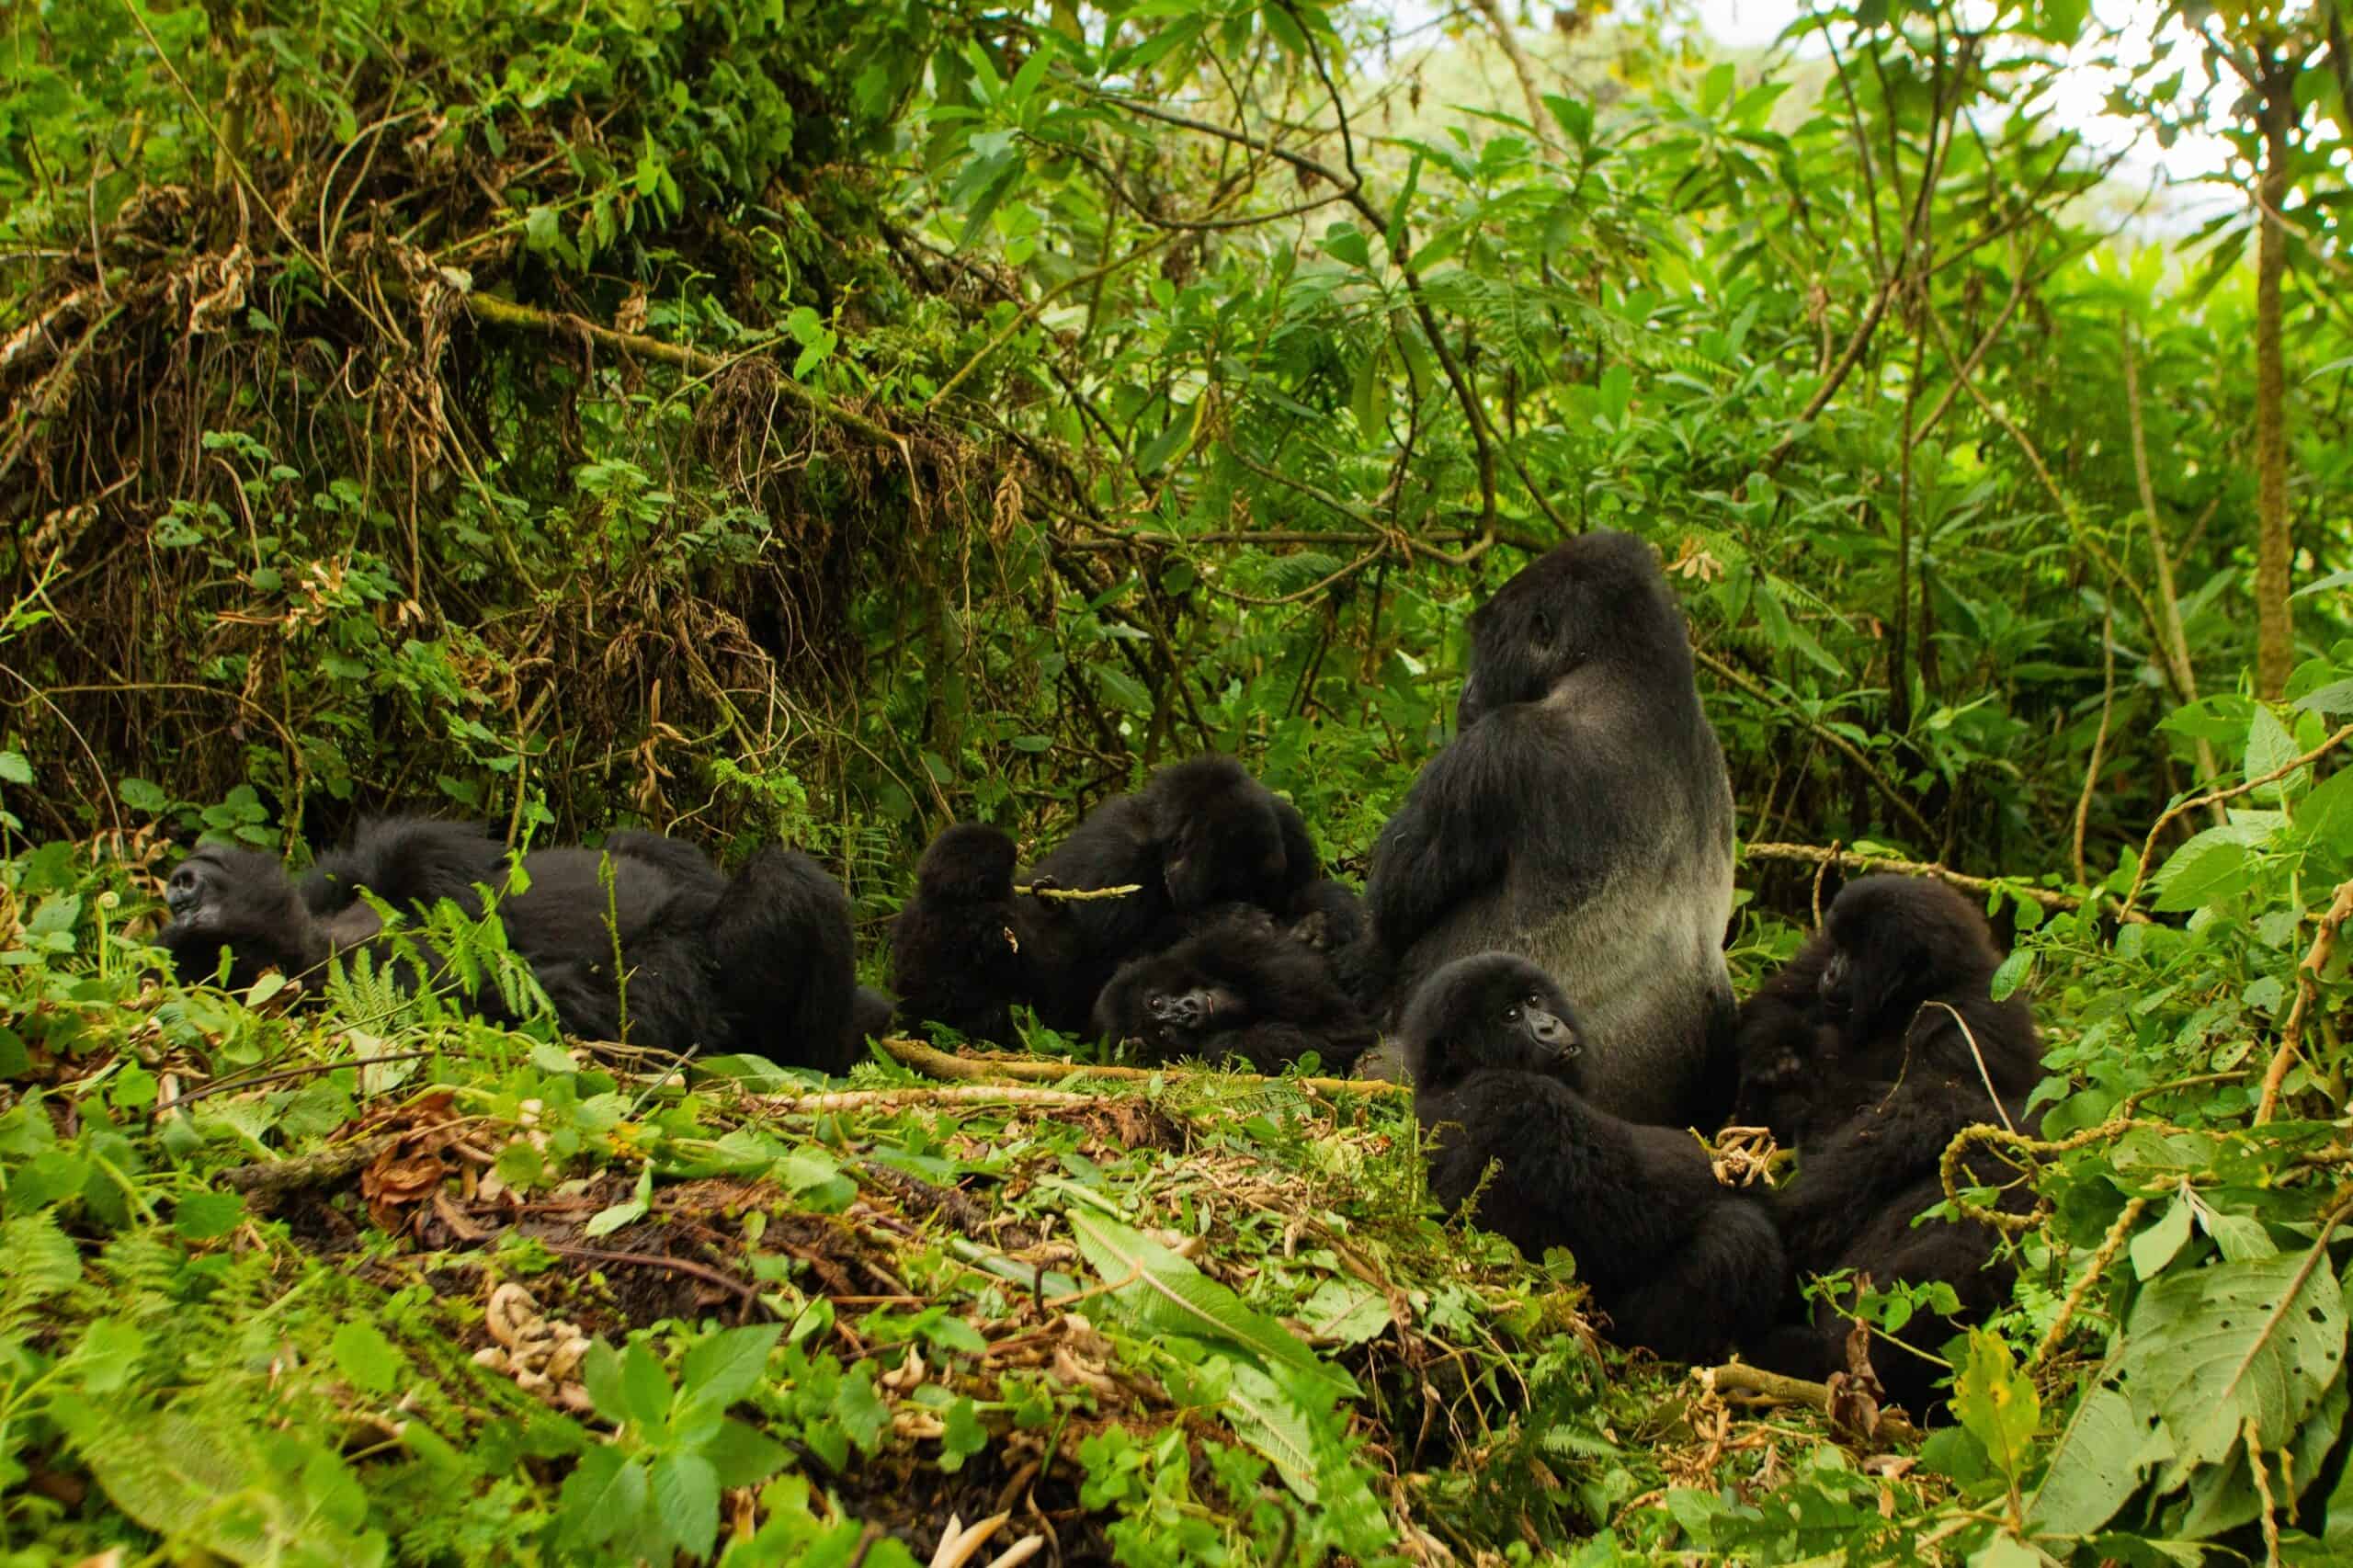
point(1163, 1291)
point(727, 1365)
point(1996, 1402)
point(2155, 1246)
point(645, 1387)
point(2209, 1351)
point(860, 1409)
point(2269, 748)
point(684, 1490)
point(743, 1455)
point(108, 1356)
point(14, 768)
point(2012, 973)
point(2095, 1466)
point(367, 1359)
point(2328, 812)
point(606, 1491)
point(964, 1436)
point(2214, 866)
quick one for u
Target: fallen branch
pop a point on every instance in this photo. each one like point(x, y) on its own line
point(1740, 1378)
point(1039, 1069)
point(271, 1180)
point(1848, 860)
point(891, 1099)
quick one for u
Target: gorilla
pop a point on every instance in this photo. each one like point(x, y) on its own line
point(1328, 916)
point(1202, 834)
point(1858, 1054)
point(966, 948)
point(1682, 1266)
point(1582, 817)
point(1241, 986)
point(759, 962)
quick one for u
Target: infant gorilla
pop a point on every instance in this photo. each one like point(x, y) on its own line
point(1682, 1266)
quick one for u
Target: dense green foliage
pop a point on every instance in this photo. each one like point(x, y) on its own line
point(829, 420)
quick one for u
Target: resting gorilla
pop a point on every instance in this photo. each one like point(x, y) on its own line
point(965, 947)
point(1582, 817)
point(1683, 1265)
point(1202, 834)
point(1241, 986)
point(1856, 1054)
point(760, 962)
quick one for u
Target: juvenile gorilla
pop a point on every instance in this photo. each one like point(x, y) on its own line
point(1683, 1265)
point(1858, 1054)
point(1582, 818)
point(759, 962)
point(1200, 834)
point(966, 948)
point(1241, 987)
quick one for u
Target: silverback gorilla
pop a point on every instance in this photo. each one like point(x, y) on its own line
point(1582, 818)
point(758, 962)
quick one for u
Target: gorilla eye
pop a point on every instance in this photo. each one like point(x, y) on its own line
point(1511, 1013)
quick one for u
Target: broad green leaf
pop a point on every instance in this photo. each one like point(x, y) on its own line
point(684, 1491)
point(1163, 1291)
point(2095, 1466)
point(727, 1365)
point(606, 1492)
point(2209, 1351)
point(743, 1455)
point(108, 1356)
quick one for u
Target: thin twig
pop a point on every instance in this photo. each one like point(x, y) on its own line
point(2182, 808)
point(1831, 737)
point(224, 1085)
point(1076, 895)
point(2307, 987)
point(1849, 860)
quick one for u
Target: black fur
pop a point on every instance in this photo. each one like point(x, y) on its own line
point(758, 962)
point(1583, 818)
point(1241, 987)
point(1682, 1265)
point(965, 948)
point(1853, 1054)
point(1200, 836)
point(1328, 916)
point(869, 1018)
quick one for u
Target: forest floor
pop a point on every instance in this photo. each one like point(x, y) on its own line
point(292, 1290)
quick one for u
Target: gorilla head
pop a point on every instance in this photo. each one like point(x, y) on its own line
point(1223, 836)
point(1895, 942)
point(1598, 599)
point(970, 863)
point(1490, 1010)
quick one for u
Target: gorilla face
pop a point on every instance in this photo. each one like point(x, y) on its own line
point(210, 882)
point(1898, 941)
point(1599, 595)
point(1490, 1010)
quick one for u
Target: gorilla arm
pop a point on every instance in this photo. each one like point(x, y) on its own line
point(1455, 833)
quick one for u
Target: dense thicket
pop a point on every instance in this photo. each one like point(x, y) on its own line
point(828, 420)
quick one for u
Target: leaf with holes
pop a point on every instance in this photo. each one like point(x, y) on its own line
point(2207, 1351)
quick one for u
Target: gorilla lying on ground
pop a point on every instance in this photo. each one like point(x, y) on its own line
point(760, 962)
point(1684, 1266)
point(1583, 818)
point(1241, 986)
point(1202, 834)
point(1859, 1052)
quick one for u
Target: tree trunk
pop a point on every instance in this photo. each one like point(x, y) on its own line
point(2275, 644)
